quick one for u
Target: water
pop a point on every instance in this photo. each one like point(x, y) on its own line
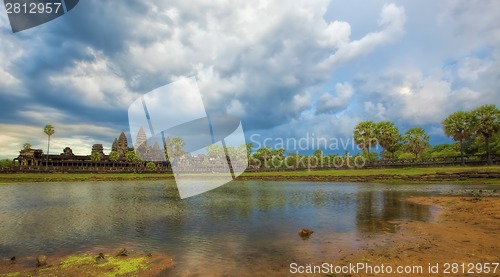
point(241, 227)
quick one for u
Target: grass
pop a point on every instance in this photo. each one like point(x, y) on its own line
point(378, 171)
point(78, 177)
point(389, 175)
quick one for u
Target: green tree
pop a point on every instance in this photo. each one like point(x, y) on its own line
point(174, 148)
point(114, 157)
point(443, 150)
point(215, 151)
point(292, 160)
point(130, 156)
point(458, 126)
point(6, 164)
point(249, 147)
point(388, 136)
point(263, 155)
point(151, 165)
point(486, 120)
point(416, 141)
point(49, 131)
point(365, 135)
point(96, 156)
point(277, 157)
point(27, 146)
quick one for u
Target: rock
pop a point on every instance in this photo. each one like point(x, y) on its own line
point(13, 258)
point(100, 258)
point(41, 260)
point(305, 233)
point(121, 253)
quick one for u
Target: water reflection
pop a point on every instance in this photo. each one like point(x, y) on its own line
point(381, 210)
point(240, 224)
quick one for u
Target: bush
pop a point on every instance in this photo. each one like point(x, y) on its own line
point(406, 156)
point(6, 164)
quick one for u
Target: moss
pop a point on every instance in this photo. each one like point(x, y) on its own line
point(123, 266)
point(10, 274)
point(77, 261)
point(87, 265)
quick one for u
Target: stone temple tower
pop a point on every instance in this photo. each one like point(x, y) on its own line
point(122, 144)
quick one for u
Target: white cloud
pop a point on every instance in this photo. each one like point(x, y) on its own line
point(95, 82)
point(392, 17)
point(236, 108)
point(470, 68)
point(301, 102)
point(328, 103)
point(377, 110)
point(11, 50)
point(410, 98)
point(41, 114)
point(474, 23)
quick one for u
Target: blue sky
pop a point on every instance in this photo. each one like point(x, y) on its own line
point(288, 68)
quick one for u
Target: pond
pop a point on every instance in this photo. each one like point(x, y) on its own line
point(241, 227)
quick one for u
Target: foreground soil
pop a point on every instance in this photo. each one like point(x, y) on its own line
point(465, 230)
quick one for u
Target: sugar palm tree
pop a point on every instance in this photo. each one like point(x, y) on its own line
point(49, 131)
point(459, 127)
point(486, 120)
point(388, 136)
point(365, 135)
point(416, 140)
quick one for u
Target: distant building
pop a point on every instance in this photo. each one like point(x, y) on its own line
point(34, 159)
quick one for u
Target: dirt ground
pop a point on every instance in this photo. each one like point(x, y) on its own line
point(463, 240)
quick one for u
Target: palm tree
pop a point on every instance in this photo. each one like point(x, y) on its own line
point(416, 140)
point(365, 135)
point(113, 157)
point(249, 147)
point(486, 120)
point(49, 131)
point(388, 136)
point(459, 126)
point(174, 148)
point(96, 156)
point(263, 154)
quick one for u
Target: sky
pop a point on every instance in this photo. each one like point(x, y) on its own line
point(289, 69)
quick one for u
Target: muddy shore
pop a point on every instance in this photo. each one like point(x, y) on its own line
point(463, 237)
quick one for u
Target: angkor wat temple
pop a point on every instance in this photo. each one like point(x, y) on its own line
point(35, 160)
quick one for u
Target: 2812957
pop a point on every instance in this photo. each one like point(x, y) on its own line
point(32, 8)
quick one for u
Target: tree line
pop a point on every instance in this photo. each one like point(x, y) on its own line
point(475, 132)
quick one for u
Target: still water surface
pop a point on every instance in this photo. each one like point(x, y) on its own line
point(241, 227)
